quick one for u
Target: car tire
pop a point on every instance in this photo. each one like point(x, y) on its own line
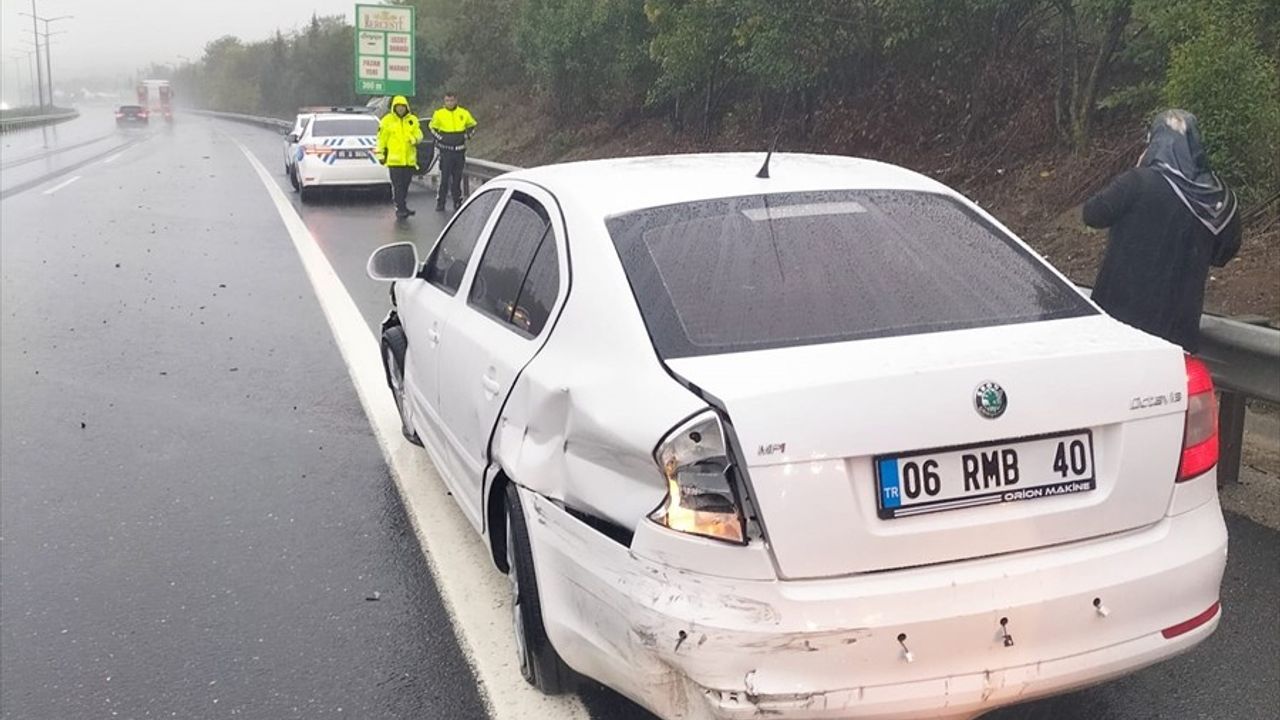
point(293, 179)
point(394, 348)
point(540, 664)
point(306, 194)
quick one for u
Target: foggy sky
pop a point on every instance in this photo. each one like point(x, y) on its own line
point(113, 37)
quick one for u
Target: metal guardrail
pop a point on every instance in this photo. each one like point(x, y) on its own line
point(18, 123)
point(1243, 357)
point(1245, 361)
point(274, 123)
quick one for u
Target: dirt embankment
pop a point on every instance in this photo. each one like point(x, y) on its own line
point(1021, 175)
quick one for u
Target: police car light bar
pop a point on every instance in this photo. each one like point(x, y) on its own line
point(334, 109)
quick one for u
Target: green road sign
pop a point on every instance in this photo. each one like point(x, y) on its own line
point(384, 50)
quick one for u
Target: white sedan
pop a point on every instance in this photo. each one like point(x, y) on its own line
point(827, 443)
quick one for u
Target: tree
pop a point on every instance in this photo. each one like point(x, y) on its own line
point(1090, 34)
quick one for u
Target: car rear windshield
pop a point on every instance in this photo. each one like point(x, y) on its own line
point(767, 271)
point(345, 126)
point(130, 108)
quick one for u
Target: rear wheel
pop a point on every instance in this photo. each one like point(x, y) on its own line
point(540, 664)
point(293, 179)
point(307, 194)
point(394, 345)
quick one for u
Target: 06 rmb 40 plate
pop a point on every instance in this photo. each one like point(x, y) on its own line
point(961, 477)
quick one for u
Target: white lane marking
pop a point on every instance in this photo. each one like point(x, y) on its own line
point(458, 559)
point(113, 158)
point(61, 185)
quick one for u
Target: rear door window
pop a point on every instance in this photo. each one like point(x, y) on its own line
point(760, 272)
point(448, 262)
point(518, 279)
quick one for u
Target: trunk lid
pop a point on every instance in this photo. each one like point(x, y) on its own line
point(823, 427)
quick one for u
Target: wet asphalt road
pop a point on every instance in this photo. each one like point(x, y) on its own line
point(194, 514)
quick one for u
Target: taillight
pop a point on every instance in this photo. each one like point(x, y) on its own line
point(702, 494)
point(1200, 433)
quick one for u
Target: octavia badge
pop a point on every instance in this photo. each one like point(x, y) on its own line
point(990, 400)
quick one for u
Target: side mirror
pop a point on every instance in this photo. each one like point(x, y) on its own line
point(292, 137)
point(397, 261)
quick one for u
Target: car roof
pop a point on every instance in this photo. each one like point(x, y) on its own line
point(341, 116)
point(621, 185)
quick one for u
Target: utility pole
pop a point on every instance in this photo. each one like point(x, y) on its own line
point(35, 33)
point(48, 57)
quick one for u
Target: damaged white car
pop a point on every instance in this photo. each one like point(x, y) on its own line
point(820, 441)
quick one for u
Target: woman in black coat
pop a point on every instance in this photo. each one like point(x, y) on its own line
point(1171, 218)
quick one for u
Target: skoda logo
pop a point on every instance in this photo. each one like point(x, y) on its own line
point(990, 400)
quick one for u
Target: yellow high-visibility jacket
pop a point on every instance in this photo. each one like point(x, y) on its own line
point(398, 137)
point(451, 128)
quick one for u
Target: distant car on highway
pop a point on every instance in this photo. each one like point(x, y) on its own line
point(333, 148)
point(132, 115)
point(824, 441)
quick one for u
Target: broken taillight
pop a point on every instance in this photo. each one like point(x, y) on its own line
point(702, 493)
point(1200, 433)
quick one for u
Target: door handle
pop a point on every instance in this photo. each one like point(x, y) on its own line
point(490, 383)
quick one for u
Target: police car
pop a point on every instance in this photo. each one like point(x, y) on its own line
point(334, 148)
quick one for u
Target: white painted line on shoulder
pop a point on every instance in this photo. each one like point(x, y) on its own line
point(61, 185)
point(474, 593)
point(113, 158)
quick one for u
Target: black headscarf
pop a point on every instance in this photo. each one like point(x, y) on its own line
point(1175, 151)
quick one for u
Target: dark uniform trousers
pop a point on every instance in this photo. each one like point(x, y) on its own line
point(401, 176)
point(451, 164)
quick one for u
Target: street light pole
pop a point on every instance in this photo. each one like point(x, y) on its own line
point(35, 32)
point(48, 57)
point(48, 53)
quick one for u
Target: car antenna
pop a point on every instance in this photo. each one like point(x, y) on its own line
point(764, 169)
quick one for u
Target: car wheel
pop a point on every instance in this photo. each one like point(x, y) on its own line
point(540, 664)
point(306, 194)
point(394, 345)
point(293, 179)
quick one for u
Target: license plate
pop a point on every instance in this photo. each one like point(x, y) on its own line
point(960, 477)
point(352, 154)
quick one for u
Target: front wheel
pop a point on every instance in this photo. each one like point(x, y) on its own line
point(540, 664)
point(394, 345)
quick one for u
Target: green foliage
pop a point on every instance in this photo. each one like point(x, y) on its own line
point(1222, 75)
point(474, 40)
point(587, 56)
point(953, 70)
point(274, 76)
point(693, 43)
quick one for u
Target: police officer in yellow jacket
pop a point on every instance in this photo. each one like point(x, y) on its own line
point(451, 125)
point(398, 136)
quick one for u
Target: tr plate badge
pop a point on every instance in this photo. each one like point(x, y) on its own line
point(990, 401)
